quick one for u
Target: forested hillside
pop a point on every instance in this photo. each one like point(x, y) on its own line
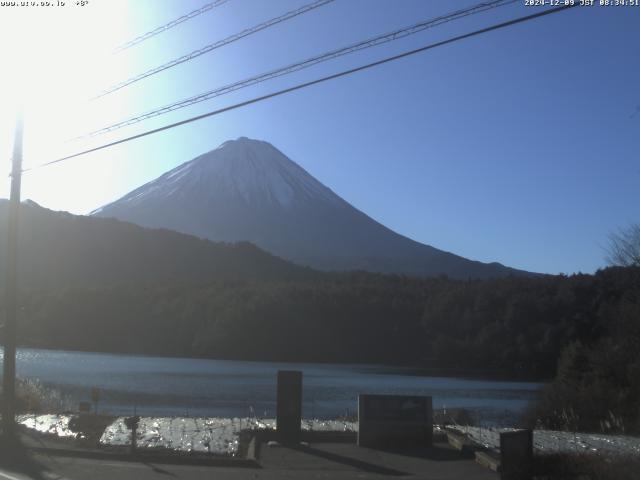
point(58, 249)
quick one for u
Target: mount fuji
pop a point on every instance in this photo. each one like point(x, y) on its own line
point(247, 190)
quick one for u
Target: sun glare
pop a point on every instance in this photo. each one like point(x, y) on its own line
point(54, 59)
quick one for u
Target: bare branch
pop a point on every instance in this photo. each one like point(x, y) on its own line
point(624, 247)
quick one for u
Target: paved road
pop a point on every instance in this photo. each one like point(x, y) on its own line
point(80, 469)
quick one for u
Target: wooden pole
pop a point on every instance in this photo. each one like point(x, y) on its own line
point(11, 288)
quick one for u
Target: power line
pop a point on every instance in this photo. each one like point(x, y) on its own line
point(371, 42)
point(163, 28)
point(213, 46)
point(312, 82)
point(365, 44)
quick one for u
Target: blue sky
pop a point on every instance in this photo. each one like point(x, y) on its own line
point(515, 146)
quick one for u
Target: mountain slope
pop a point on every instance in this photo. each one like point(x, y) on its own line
point(247, 190)
point(59, 249)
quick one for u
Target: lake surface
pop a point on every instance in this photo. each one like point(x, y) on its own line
point(196, 387)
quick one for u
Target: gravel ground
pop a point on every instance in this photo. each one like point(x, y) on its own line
point(555, 441)
point(185, 434)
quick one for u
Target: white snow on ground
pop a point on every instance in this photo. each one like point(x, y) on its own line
point(220, 435)
point(313, 425)
point(555, 441)
point(54, 424)
point(213, 435)
point(327, 425)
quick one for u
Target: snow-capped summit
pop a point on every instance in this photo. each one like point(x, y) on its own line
point(247, 190)
point(250, 171)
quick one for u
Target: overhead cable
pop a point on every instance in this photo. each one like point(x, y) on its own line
point(163, 28)
point(369, 43)
point(310, 83)
point(213, 46)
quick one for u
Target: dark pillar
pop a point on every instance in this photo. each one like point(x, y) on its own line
point(289, 407)
point(516, 455)
point(132, 424)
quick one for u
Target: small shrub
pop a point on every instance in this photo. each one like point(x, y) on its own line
point(591, 466)
point(34, 397)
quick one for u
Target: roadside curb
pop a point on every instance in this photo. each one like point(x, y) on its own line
point(489, 459)
point(462, 442)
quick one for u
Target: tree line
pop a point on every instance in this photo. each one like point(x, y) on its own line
point(581, 331)
point(517, 325)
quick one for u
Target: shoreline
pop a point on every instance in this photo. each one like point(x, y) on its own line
point(406, 369)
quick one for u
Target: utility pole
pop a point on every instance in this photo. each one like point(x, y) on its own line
point(11, 288)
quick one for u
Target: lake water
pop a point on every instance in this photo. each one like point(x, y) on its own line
point(195, 387)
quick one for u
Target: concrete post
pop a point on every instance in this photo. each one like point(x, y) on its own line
point(289, 407)
point(516, 455)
